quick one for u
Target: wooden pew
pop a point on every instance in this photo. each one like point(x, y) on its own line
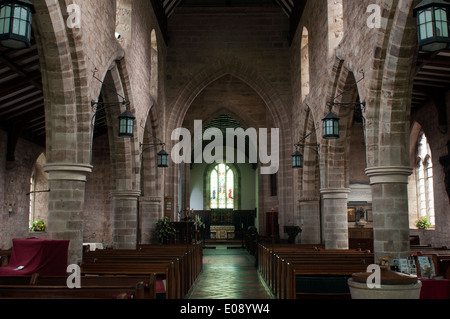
point(282, 267)
point(162, 270)
point(95, 287)
point(179, 265)
point(189, 261)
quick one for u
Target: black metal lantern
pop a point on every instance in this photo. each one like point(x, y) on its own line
point(15, 23)
point(163, 159)
point(126, 124)
point(433, 25)
point(331, 126)
point(297, 160)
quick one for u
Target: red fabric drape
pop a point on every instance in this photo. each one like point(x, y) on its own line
point(32, 255)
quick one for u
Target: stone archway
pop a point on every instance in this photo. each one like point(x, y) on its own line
point(271, 99)
point(66, 114)
point(152, 180)
point(389, 106)
point(334, 157)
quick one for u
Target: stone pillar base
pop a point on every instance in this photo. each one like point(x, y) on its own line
point(334, 218)
point(65, 205)
point(150, 211)
point(309, 220)
point(125, 218)
point(390, 210)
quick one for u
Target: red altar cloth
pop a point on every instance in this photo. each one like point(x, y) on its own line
point(43, 256)
point(435, 289)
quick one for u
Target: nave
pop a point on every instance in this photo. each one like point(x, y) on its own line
point(228, 274)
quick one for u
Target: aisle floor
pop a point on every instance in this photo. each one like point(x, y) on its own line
point(228, 274)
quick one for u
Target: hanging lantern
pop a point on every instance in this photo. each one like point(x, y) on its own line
point(15, 23)
point(163, 159)
point(297, 160)
point(331, 126)
point(126, 124)
point(433, 25)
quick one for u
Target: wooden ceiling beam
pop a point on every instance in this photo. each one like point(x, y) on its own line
point(14, 67)
point(23, 101)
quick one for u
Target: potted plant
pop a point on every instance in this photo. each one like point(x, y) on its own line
point(164, 229)
point(38, 226)
point(423, 222)
point(198, 223)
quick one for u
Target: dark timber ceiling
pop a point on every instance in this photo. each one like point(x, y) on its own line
point(164, 9)
point(431, 82)
point(21, 97)
point(170, 5)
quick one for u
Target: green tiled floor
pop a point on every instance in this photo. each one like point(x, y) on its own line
point(228, 274)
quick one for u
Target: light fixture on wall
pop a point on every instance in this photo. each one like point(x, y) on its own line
point(297, 157)
point(15, 23)
point(126, 119)
point(163, 156)
point(331, 121)
point(433, 23)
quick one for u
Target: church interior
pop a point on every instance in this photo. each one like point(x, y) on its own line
point(184, 142)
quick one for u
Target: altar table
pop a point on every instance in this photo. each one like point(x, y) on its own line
point(222, 232)
point(43, 256)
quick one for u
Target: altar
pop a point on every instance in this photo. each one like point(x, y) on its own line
point(222, 232)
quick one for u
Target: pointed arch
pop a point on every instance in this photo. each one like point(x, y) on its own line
point(335, 153)
point(271, 99)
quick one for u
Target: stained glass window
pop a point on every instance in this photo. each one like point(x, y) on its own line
point(222, 187)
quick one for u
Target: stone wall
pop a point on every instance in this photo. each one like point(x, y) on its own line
point(14, 186)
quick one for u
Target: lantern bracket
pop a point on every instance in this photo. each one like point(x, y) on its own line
point(302, 143)
point(99, 106)
point(162, 155)
point(330, 104)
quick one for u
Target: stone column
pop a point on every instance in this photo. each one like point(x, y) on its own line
point(65, 205)
point(309, 220)
point(390, 211)
point(125, 218)
point(150, 210)
point(334, 217)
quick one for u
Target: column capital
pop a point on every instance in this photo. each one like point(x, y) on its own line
point(68, 171)
point(389, 174)
point(335, 193)
point(151, 199)
point(126, 194)
point(309, 199)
